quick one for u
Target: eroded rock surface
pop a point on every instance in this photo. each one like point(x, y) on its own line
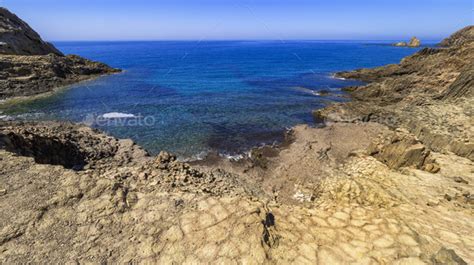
point(33, 75)
point(459, 38)
point(429, 93)
point(323, 202)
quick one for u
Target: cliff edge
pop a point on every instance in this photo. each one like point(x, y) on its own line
point(18, 38)
point(30, 66)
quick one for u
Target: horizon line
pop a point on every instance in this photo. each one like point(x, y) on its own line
point(229, 40)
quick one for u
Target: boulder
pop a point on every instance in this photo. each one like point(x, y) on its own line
point(400, 150)
point(447, 257)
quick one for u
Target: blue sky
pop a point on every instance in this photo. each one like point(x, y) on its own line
point(243, 19)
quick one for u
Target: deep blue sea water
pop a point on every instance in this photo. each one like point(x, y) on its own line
point(193, 97)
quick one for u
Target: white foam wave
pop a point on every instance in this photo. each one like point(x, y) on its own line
point(6, 118)
point(197, 157)
point(336, 77)
point(236, 157)
point(117, 115)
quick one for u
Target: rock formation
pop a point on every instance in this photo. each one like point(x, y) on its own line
point(401, 44)
point(414, 42)
point(17, 38)
point(430, 93)
point(388, 180)
point(31, 66)
point(459, 38)
point(22, 75)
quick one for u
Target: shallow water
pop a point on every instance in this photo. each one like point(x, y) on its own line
point(193, 97)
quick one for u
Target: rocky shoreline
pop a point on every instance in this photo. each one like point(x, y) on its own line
point(30, 66)
point(388, 180)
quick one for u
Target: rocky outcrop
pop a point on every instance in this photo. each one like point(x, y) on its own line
point(400, 150)
point(430, 93)
point(413, 43)
point(32, 75)
point(400, 44)
point(17, 38)
point(160, 210)
point(462, 87)
point(72, 146)
point(30, 66)
point(459, 38)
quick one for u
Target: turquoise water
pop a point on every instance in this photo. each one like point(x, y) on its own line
point(193, 97)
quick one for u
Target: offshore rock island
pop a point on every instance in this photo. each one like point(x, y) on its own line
point(388, 180)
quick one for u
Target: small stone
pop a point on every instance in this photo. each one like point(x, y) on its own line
point(142, 176)
point(447, 256)
point(448, 197)
point(460, 180)
point(432, 203)
point(3, 192)
point(432, 168)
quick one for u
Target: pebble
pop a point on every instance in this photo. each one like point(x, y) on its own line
point(460, 180)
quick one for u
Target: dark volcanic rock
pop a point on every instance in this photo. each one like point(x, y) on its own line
point(16, 37)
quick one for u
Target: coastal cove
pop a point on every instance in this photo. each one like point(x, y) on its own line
point(100, 151)
point(197, 97)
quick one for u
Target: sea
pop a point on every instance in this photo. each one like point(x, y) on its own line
point(196, 97)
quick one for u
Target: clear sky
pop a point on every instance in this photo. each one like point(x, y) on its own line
point(243, 19)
